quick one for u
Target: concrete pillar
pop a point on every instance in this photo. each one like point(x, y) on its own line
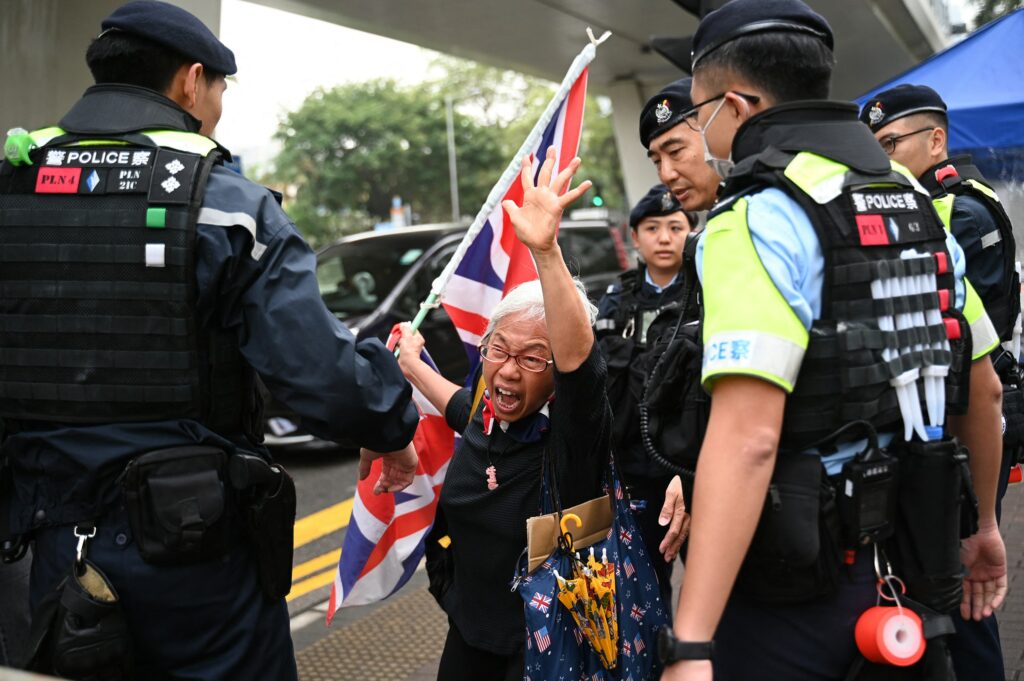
point(44, 43)
point(638, 174)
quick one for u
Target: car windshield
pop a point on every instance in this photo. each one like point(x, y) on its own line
point(354, 277)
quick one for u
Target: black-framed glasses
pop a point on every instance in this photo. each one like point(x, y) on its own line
point(531, 363)
point(753, 99)
point(889, 143)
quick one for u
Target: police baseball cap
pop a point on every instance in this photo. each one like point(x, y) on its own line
point(665, 110)
point(659, 201)
point(745, 17)
point(173, 28)
point(902, 100)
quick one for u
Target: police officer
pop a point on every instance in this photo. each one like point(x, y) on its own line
point(787, 265)
point(911, 124)
point(668, 132)
point(642, 305)
point(145, 287)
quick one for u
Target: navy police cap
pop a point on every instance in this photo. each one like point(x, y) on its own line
point(745, 17)
point(659, 201)
point(174, 28)
point(902, 100)
point(665, 110)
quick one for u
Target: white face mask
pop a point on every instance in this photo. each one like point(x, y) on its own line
point(720, 166)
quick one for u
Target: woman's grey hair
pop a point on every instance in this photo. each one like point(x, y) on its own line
point(527, 300)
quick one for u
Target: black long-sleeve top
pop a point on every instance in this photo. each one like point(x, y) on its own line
point(488, 527)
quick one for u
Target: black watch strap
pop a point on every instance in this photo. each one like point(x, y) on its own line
point(672, 650)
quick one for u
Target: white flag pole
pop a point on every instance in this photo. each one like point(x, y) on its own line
point(511, 173)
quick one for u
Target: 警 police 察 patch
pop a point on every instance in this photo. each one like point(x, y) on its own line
point(888, 216)
point(95, 170)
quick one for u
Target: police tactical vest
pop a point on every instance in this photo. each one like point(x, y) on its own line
point(867, 225)
point(959, 177)
point(98, 286)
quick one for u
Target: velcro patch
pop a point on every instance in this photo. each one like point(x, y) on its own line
point(884, 201)
point(872, 230)
point(58, 180)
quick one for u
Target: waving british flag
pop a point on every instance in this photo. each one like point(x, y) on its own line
point(385, 539)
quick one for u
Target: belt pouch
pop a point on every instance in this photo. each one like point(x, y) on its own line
point(794, 555)
point(270, 522)
point(927, 539)
point(79, 631)
point(178, 504)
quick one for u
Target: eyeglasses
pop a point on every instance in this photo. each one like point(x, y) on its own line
point(753, 99)
point(526, 362)
point(889, 143)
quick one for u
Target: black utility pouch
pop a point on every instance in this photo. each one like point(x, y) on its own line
point(1013, 412)
point(178, 505)
point(926, 545)
point(268, 499)
point(79, 630)
point(794, 555)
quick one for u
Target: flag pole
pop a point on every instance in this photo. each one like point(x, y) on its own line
point(580, 63)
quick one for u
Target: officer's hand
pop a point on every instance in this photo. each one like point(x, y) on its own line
point(688, 670)
point(984, 556)
point(410, 345)
point(536, 222)
point(397, 468)
point(673, 514)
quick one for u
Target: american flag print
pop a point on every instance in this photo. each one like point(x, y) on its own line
point(627, 567)
point(542, 638)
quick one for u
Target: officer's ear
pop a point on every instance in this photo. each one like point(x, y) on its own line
point(184, 86)
point(937, 142)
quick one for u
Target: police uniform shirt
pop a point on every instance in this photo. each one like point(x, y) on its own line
point(787, 246)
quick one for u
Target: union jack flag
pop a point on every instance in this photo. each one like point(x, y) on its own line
point(384, 542)
point(627, 566)
point(540, 602)
point(626, 650)
point(625, 536)
point(636, 612)
point(638, 643)
point(497, 262)
point(542, 639)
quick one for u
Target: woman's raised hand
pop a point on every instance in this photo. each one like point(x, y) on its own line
point(410, 345)
point(536, 221)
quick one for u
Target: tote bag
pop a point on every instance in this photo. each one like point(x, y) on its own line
point(555, 646)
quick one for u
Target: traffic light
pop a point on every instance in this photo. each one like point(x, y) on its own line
point(597, 199)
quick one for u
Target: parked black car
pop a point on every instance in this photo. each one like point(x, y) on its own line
point(372, 281)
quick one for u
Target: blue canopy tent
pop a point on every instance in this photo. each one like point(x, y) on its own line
point(981, 80)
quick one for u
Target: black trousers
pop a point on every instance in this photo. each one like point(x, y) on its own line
point(462, 662)
point(651, 491)
point(204, 622)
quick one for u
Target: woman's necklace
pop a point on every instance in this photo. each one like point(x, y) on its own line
point(491, 471)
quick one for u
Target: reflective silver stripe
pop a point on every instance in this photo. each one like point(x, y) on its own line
point(823, 192)
point(983, 337)
point(991, 239)
point(753, 352)
point(604, 325)
point(219, 218)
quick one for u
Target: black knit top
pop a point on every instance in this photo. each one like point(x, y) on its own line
point(488, 527)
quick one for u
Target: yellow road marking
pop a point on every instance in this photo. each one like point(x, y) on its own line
point(319, 563)
point(323, 523)
point(315, 582)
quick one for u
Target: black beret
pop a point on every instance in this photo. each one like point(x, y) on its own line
point(665, 110)
point(174, 28)
point(744, 17)
point(659, 201)
point(900, 101)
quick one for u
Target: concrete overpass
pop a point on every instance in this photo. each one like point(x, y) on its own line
point(44, 42)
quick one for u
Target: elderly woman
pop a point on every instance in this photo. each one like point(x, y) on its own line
point(545, 385)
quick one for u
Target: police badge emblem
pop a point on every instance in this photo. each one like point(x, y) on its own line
point(875, 114)
point(666, 201)
point(662, 113)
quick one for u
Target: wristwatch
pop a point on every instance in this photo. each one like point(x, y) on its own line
point(672, 650)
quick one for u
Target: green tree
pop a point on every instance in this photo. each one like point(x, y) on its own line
point(993, 9)
point(347, 150)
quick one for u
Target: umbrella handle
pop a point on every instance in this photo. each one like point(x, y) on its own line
point(566, 518)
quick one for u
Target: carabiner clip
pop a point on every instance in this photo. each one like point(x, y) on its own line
point(82, 539)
